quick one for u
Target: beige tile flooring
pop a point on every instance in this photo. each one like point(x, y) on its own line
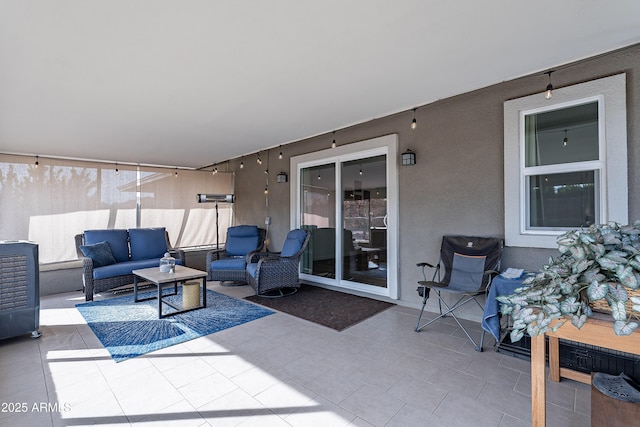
point(274, 371)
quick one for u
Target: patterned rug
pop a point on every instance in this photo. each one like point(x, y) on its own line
point(128, 329)
point(336, 310)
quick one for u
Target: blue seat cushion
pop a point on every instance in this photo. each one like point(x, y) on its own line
point(242, 239)
point(228, 264)
point(252, 269)
point(125, 268)
point(100, 254)
point(147, 243)
point(117, 239)
point(293, 243)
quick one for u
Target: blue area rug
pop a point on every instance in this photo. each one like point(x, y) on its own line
point(128, 329)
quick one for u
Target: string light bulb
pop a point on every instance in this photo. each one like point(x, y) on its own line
point(280, 155)
point(565, 141)
point(176, 174)
point(333, 144)
point(414, 123)
point(117, 171)
point(549, 92)
point(37, 162)
point(242, 162)
point(259, 160)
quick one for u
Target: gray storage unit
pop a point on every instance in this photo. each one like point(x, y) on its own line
point(19, 289)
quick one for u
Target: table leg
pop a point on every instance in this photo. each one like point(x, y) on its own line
point(204, 291)
point(135, 288)
point(554, 359)
point(159, 301)
point(538, 386)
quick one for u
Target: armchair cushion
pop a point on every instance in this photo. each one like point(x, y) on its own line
point(100, 253)
point(242, 239)
point(228, 264)
point(117, 239)
point(293, 243)
point(147, 243)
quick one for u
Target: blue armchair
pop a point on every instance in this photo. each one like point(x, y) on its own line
point(229, 264)
point(276, 274)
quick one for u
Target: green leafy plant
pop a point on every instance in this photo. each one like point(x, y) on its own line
point(599, 263)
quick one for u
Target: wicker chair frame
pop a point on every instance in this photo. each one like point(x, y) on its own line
point(276, 275)
point(237, 276)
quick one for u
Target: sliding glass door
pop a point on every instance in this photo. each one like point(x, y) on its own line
point(342, 198)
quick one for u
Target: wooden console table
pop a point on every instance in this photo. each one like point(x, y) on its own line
point(598, 331)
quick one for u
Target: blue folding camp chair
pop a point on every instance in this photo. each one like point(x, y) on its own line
point(469, 263)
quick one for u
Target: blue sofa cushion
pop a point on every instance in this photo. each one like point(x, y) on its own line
point(252, 269)
point(100, 254)
point(228, 264)
point(125, 268)
point(117, 239)
point(293, 243)
point(242, 239)
point(147, 243)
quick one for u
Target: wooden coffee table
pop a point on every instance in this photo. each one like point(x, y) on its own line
point(162, 280)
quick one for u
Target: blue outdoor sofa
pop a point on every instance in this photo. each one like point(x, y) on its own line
point(109, 256)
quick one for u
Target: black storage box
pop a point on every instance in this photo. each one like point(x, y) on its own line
point(580, 357)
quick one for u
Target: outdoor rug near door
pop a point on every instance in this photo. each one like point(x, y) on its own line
point(336, 310)
point(128, 329)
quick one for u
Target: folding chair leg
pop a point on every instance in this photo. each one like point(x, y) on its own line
point(425, 297)
point(450, 310)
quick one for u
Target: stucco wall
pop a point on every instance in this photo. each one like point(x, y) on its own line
point(457, 185)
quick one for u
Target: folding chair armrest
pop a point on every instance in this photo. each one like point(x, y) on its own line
point(426, 264)
point(493, 272)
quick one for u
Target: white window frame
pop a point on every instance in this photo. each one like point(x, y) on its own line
point(611, 176)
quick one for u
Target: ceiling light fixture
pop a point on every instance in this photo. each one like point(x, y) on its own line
point(549, 93)
point(414, 123)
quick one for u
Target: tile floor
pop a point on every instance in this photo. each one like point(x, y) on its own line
point(275, 371)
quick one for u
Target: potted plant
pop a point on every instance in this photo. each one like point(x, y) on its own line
point(598, 266)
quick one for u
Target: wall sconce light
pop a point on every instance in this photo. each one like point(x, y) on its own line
point(282, 178)
point(549, 93)
point(408, 158)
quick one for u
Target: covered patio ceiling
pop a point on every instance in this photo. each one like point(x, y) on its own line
point(191, 83)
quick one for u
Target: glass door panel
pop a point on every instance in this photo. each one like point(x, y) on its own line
point(318, 214)
point(364, 218)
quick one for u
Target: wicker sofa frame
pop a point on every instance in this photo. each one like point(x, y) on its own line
point(94, 286)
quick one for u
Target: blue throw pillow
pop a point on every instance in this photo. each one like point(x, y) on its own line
point(100, 253)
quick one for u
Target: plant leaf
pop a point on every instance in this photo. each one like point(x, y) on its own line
point(516, 335)
point(579, 321)
point(624, 328)
point(596, 291)
point(618, 310)
point(607, 264)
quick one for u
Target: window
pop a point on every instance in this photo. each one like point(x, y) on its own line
point(565, 161)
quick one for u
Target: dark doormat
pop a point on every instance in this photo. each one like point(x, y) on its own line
point(336, 310)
